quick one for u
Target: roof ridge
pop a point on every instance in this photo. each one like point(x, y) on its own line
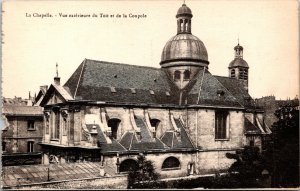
point(83, 64)
point(116, 63)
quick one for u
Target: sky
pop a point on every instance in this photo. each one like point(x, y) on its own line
point(267, 29)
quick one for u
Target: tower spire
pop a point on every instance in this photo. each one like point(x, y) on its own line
point(56, 69)
point(56, 78)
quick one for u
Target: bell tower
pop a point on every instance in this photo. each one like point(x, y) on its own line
point(238, 68)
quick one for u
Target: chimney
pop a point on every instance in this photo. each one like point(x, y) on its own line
point(57, 81)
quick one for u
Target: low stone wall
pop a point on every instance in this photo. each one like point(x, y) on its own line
point(114, 182)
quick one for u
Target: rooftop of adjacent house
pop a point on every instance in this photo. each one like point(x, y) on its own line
point(21, 110)
point(28, 174)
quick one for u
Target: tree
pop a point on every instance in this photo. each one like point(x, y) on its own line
point(283, 153)
point(246, 171)
point(144, 176)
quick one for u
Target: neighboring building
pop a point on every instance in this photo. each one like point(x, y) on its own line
point(22, 133)
point(270, 105)
point(180, 116)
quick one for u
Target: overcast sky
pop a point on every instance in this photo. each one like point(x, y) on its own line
point(267, 29)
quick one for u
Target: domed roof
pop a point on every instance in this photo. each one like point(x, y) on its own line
point(238, 47)
point(238, 62)
point(184, 47)
point(184, 10)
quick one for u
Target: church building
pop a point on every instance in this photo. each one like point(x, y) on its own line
point(180, 116)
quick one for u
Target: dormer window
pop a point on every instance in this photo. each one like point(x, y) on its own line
point(186, 75)
point(113, 89)
point(220, 93)
point(133, 90)
point(177, 75)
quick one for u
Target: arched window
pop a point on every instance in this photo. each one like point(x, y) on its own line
point(177, 75)
point(181, 25)
point(128, 164)
point(245, 74)
point(232, 73)
point(186, 75)
point(154, 123)
point(171, 162)
point(114, 125)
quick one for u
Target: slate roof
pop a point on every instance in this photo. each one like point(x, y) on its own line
point(174, 141)
point(145, 133)
point(236, 89)
point(28, 174)
point(131, 143)
point(93, 80)
point(100, 136)
point(250, 128)
point(19, 110)
point(209, 91)
point(115, 146)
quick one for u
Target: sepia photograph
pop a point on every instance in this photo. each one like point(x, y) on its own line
point(164, 94)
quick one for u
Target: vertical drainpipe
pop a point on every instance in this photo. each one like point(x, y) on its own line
point(196, 165)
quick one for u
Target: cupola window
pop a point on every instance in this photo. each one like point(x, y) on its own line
point(177, 75)
point(243, 74)
point(232, 73)
point(186, 75)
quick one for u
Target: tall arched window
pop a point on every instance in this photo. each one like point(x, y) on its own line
point(171, 162)
point(177, 75)
point(128, 164)
point(186, 75)
point(114, 125)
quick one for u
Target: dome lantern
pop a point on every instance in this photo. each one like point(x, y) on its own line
point(184, 19)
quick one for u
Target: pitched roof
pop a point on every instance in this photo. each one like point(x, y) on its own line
point(62, 91)
point(19, 110)
point(207, 86)
point(145, 133)
point(93, 81)
point(237, 90)
point(130, 142)
point(177, 141)
point(250, 128)
point(97, 80)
